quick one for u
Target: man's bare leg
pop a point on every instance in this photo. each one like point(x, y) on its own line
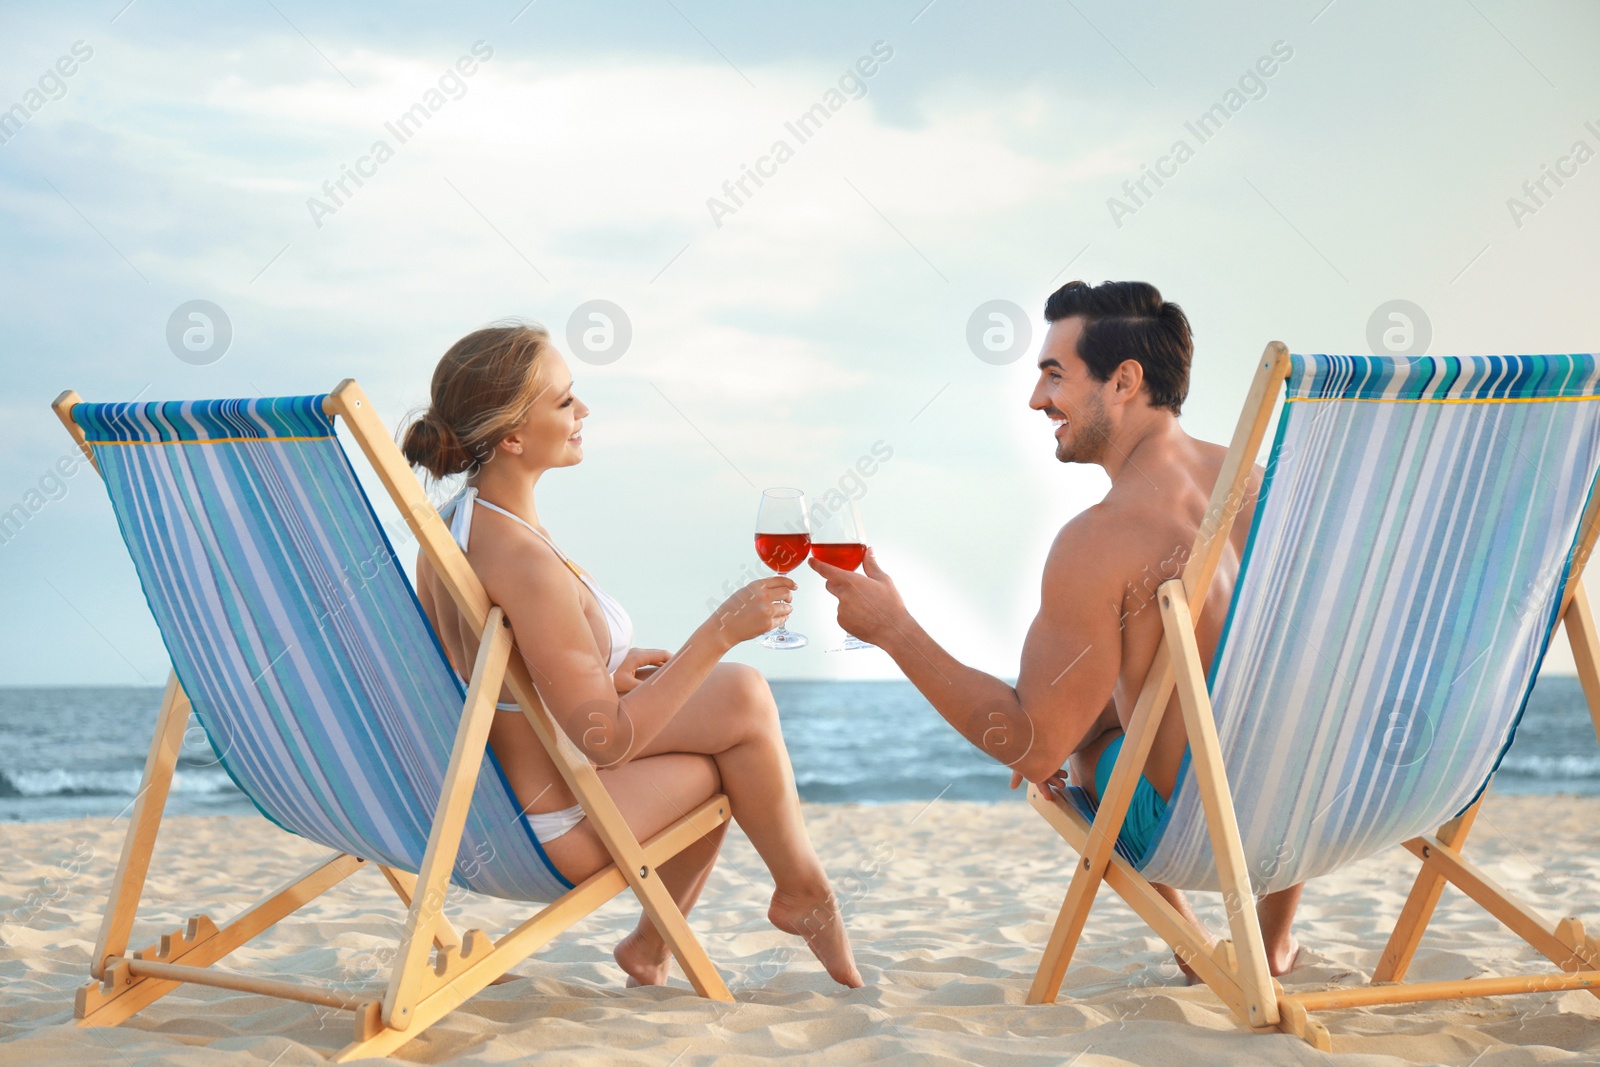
point(1176, 898)
point(1275, 911)
point(1082, 762)
point(1275, 914)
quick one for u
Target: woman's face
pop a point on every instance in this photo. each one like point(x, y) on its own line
point(549, 435)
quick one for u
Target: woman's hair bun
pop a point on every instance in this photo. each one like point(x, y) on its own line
point(431, 444)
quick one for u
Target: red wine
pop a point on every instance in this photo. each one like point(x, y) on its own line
point(783, 552)
point(848, 556)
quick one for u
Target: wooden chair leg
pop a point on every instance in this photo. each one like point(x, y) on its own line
point(1585, 642)
point(201, 943)
point(1205, 757)
point(1064, 936)
point(128, 883)
point(1420, 903)
point(1425, 891)
point(372, 1038)
point(1563, 943)
point(409, 979)
point(404, 885)
point(1186, 941)
point(445, 936)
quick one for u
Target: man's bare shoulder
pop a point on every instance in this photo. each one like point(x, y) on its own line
point(1216, 457)
point(1091, 552)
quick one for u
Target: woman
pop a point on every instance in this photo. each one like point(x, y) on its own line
point(504, 413)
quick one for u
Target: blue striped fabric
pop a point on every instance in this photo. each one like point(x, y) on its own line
point(1399, 587)
point(307, 657)
point(211, 420)
point(1414, 378)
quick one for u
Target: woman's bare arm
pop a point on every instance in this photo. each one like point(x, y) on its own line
point(538, 594)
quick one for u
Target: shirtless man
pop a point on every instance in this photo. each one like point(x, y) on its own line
point(1113, 374)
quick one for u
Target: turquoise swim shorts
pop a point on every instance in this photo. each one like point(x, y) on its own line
point(1144, 814)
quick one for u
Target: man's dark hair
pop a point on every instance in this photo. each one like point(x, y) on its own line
point(1129, 320)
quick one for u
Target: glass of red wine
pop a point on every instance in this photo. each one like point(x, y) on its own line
point(783, 540)
point(840, 540)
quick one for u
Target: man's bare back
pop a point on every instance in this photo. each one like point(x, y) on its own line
point(1142, 534)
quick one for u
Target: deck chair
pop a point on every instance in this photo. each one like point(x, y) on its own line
point(299, 646)
point(1422, 527)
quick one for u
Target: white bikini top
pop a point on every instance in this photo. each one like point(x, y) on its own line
point(617, 621)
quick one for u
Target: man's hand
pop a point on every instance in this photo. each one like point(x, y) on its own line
point(869, 605)
point(624, 678)
point(1055, 783)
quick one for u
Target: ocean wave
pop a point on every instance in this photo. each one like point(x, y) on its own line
point(60, 782)
point(1553, 768)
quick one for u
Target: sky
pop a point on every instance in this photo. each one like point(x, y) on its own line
point(1356, 154)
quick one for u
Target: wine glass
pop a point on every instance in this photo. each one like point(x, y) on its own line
point(841, 540)
point(783, 540)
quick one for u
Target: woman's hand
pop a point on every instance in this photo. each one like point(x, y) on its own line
point(624, 679)
point(753, 610)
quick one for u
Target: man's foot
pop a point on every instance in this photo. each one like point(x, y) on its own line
point(816, 918)
point(1280, 962)
point(646, 960)
point(1189, 976)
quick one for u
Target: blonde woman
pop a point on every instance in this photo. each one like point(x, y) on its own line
point(503, 412)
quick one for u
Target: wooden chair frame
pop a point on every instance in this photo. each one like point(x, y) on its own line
point(1236, 969)
point(421, 990)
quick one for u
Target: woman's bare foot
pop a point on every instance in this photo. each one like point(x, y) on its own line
point(816, 918)
point(646, 960)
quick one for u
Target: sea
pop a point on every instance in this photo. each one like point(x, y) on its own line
point(69, 752)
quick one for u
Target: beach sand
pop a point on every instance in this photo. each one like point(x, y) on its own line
point(949, 905)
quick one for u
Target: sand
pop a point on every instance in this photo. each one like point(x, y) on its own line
point(949, 905)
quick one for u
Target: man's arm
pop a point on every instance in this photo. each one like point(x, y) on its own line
point(1069, 661)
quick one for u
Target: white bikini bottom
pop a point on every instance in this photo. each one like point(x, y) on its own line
point(549, 825)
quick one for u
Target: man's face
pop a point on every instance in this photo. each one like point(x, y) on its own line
point(1070, 396)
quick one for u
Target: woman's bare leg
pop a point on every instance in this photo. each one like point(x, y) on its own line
point(643, 954)
point(725, 737)
point(733, 719)
point(651, 793)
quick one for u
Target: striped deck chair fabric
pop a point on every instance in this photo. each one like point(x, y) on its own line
point(1399, 587)
point(308, 660)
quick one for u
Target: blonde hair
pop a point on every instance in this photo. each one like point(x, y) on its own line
point(481, 392)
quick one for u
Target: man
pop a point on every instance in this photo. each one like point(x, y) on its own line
point(1113, 374)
